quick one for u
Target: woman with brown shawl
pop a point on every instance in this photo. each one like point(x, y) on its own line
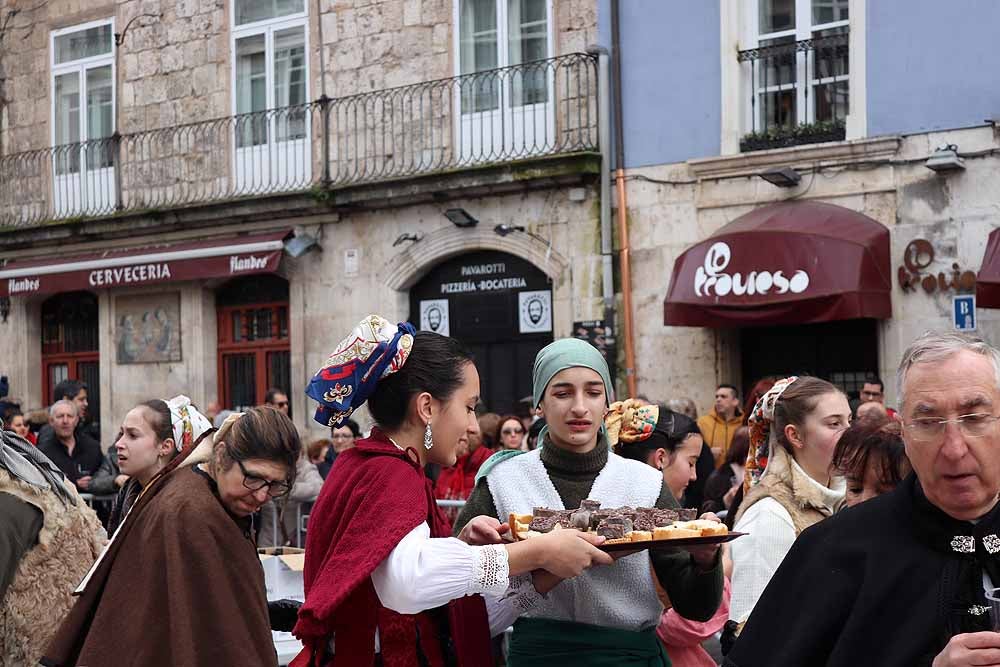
point(180, 583)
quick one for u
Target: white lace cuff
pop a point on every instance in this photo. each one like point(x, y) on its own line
point(522, 593)
point(491, 571)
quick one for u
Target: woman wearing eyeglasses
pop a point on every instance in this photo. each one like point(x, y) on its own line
point(180, 583)
point(510, 433)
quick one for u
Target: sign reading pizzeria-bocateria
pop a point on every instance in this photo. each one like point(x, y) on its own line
point(238, 256)
point(786, 263)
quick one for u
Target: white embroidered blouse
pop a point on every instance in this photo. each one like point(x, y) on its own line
point(423, 573)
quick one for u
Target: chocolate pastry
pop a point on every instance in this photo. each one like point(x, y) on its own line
point(543, 524)
point(543, 511)
point(591, 505)
point(580, 520)
point(619, 520)
point(687, 514)
point(645, 522)
point(611, 531)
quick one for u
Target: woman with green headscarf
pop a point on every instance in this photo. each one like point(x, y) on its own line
point(607, 615)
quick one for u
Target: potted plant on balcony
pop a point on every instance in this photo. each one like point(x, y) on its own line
point(794, 135)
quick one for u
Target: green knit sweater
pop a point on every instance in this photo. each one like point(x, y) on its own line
point(694, 593)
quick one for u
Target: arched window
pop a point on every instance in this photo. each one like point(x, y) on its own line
point(69, 345)
point(253, 339)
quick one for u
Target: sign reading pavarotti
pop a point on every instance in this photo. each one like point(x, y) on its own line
point(481, 294)
point(484, 284)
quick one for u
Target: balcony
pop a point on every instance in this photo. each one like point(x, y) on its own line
point(510, 115)
point(799, 90)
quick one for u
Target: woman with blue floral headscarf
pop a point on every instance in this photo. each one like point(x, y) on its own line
point(605, 616)
point(385, 582)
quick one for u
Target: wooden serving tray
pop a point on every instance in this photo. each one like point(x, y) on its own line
point(670, 544)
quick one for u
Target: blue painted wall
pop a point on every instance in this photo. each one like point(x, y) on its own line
point(932, 64)
point(671, 90)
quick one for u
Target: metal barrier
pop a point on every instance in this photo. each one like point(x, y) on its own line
point(90, 498)
point(540, 108)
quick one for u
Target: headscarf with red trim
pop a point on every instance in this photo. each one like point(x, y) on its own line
point(374, 349)
point(762, 436)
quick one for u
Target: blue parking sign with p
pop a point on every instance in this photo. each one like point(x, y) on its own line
point(964, 312)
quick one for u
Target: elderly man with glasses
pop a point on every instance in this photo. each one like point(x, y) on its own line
point(902, 580)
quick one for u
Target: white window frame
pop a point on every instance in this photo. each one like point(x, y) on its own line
point(503, 36)
point(250, 172)
point(506, 113)
point(75, 191)
point(268, 27)
point(738, 26)
point(80, 66)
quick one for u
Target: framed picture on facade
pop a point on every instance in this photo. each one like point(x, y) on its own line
point(147, 328)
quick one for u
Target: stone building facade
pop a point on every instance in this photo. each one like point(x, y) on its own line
point(200, 182)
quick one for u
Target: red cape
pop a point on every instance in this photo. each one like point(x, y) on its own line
point(374, 496)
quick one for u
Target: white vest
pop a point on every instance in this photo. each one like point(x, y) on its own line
point(621, 596)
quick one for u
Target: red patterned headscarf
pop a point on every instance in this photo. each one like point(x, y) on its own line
point(762, 437)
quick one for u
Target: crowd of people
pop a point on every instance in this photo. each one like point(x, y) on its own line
point(860, 523)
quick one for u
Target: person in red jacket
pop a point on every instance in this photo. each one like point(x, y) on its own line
point(456, 482)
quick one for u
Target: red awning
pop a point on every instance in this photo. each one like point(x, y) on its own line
point(988, 280)
point(219, 258)
point(786, 263)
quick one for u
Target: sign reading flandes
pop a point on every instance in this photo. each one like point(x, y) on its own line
point(191, 261)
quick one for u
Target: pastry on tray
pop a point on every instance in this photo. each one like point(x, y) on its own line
point(618, 525)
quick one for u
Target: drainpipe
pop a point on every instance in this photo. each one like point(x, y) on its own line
point(623, 252)
point(604, 141)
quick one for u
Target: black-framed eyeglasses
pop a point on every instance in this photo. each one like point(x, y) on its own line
point(275, 489)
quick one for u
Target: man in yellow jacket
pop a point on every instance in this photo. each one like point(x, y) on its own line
point(719, 425)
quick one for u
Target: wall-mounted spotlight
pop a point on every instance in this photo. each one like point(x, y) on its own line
point(504, 230)
point(945, 158)
point(460, 217)
point(300, 244)
point(783, 177)
point(403, 238)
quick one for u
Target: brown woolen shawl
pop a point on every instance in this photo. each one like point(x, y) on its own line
point(180, 585)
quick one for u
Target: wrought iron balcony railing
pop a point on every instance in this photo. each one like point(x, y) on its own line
point(799, 90)
point(541, 108)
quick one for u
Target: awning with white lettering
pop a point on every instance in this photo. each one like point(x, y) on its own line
point(148, 265)
point(787, 263)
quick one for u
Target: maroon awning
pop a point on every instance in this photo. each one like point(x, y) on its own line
point(786, 263)
point(219, 258)
point(988, 280)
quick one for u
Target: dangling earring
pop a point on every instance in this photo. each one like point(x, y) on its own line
point(428, 437)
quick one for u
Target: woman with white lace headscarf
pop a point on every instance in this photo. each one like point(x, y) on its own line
point(151, 435)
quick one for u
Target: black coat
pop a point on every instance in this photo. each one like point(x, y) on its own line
point(877, 584)
point(86, 459)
